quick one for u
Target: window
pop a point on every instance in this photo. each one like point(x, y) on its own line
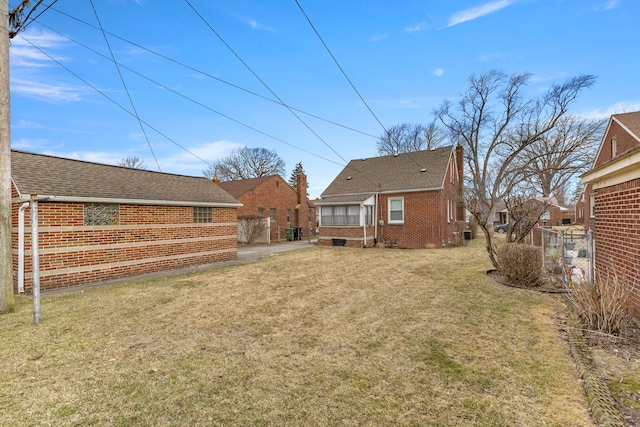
point(614, 146)
point(592, 205)
point(273, 214)
point(340, 215)
point(368, 215)
point(261, 212)
point(396, 210)
point(101, 214)
point(288, 215)
point(202, 214)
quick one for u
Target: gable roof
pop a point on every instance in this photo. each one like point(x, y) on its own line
point(630, 121)
point(81, 181)
point(625, 165)
point(241, 186)
point(416, 171)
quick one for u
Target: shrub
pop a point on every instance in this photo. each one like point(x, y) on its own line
point(604, 306)
point(521, 264)
point(250, 228)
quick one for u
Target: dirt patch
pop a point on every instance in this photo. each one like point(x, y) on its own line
point(618, 362)
point(617, 359)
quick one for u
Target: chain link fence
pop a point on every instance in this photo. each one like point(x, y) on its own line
point(568, 254)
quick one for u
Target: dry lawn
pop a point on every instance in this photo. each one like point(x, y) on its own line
point(318, 337)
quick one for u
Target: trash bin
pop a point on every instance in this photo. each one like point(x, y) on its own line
point(339, 242)
point(290, 234)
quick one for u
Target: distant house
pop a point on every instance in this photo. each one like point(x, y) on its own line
point(554, 213)
point(272, 197)
point(99, 222)
point(612, 198)
point(411, 200)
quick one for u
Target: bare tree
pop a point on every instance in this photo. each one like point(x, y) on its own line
point(407, 137)
point(251, 227)
point(496, 126)
point(245, 163)
point(561, 154)
point(132, 162)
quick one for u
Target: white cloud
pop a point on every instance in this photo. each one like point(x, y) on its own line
point(617, 108)
point(612, 4)
point(477, 12)
point(45, 92)
point(378, 37)
point(418, 27)
point(255, 25)
point(438, 72)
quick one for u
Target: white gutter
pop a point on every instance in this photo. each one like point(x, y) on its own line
point(21, 210)
point(137, 201)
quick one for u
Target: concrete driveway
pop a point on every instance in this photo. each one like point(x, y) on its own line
point(255, 252)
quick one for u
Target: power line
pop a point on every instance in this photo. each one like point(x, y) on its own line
point(262, 81)
point(204, 73)
point(170, 90)
point(125, 85)
point(339, 66)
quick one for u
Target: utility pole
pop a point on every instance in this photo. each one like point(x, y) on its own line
point(7, 300)
point(10, 25)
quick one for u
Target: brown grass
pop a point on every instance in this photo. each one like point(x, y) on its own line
point(320, 337)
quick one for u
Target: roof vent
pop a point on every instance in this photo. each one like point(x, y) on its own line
point(423, 170)
point(348, 178)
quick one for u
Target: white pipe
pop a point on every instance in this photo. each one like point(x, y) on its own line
point(21, 247)
point(363, 209)
point(35, 262)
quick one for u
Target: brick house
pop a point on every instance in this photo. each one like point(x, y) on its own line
point(612, 199)
point(411, 200)
point(272, 197)
point(99, 222)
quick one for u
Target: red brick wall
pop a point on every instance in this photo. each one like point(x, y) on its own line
point(624, 142)
point(147, 239)
point(354, 236)
point(277, 193)
point(617, 234)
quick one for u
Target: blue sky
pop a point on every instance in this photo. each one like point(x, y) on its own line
point(197, 100)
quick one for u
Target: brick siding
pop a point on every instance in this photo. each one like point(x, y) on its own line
point(147, 239)
point(617, 235)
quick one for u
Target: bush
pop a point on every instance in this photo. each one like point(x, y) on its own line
point(521, 264)
point(604, 306)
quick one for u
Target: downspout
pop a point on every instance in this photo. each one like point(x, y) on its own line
point(375, 221)
point(35, 260)
point(364, 226)
point(21, 210)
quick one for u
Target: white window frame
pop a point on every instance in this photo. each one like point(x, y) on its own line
point(389, 210)
point(592, 205)
point(614, 146)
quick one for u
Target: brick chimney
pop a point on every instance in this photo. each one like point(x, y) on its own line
point(216, 180)
point(460, 214)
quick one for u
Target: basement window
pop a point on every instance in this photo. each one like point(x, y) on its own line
point(101, 214)
point(202, 214)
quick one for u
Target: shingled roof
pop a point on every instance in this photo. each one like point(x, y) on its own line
point(241, 186)
point(631, 121)
point(76, 180)
point(416, 171)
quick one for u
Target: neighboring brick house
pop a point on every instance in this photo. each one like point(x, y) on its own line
point(554, 213)
point(272, 197)
point(612, 195)
point(99, 222)
point(411, 200)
